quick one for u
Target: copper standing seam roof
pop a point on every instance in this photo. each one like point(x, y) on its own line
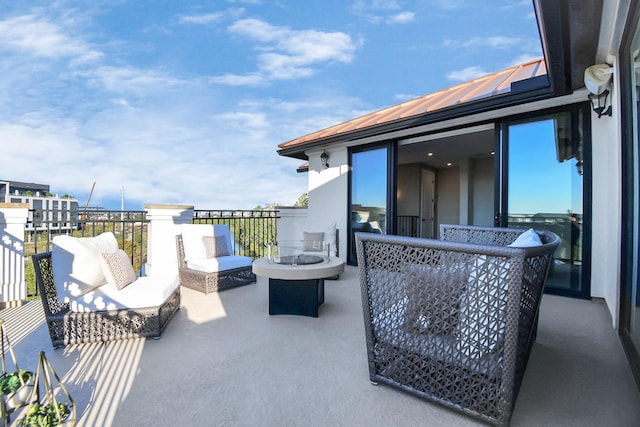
point(483, 87)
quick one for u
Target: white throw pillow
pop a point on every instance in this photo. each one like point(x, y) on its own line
point(76, 263)
point(527, 239)
point(117, 269)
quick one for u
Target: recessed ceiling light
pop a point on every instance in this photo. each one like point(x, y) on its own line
point(429, 154)
point(449, 163)
point(493, 153)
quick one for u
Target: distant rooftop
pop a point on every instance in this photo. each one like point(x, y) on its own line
point(497, 83)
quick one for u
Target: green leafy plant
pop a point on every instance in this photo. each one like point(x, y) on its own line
point(39, 415)
point(10, 382)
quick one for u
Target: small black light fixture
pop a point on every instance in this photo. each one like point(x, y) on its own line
point(324, 159)
point(597, 80)
point(599, 104)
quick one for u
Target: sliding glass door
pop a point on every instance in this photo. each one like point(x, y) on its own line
point(542, 188)
point(369, 188)
point(630, 275)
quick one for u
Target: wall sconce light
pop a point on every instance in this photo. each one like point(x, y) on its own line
point(324, 159)
point(599, 104)
point(597, 80)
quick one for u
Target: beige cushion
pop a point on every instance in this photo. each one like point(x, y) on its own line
point(76, 263)
point(215, 246)
point(118, 269)
point(313, 241)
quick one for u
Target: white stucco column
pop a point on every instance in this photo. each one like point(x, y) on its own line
point(164, 225)
point(13, 218)
point(291, 222)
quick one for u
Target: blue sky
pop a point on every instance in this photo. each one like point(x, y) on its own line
point(186, 101)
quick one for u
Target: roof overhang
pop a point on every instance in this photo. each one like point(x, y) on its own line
point(470, 108)
point(569, 31)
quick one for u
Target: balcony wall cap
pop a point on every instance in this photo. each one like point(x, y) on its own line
point(14, 205)
point(162, 206)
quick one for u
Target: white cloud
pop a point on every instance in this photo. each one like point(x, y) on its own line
point(451, 4)
point(402, 18)
point(212, 18)
point(202, 19)
point(466, 74)
point(32, 35)
point(362, 6)
point(289, 54)
point(377, 11)
point(130, 80)
point(499, 42)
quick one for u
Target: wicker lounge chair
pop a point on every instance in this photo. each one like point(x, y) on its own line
point(71, 322)
point(216, 273)
point(453, 320)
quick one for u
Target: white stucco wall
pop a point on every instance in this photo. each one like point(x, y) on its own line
point(409, 181)
point(448, 196)
point(327, 199)
point(606, 207)
point(482, 192)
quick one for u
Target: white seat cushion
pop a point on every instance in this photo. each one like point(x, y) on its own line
point(223, 263)
point(146, 291)
point(76, 263)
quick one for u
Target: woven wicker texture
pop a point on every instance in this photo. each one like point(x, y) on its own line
point(67, 327)
point(453, 321)
point(211, 282)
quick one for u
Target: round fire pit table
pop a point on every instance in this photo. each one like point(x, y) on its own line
point(297, 289)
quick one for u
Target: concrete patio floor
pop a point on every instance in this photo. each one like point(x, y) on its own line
point(223, 361)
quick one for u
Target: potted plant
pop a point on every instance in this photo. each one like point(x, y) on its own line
point(16, 388)
point(48, 415)
point(50, 403)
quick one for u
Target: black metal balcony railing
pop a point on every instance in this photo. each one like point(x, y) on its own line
point(407, 225)
point(129, 227)
point(253, 230)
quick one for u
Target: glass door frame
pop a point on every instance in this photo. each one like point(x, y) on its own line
point(502, 187)
point(630, 186)
point(392, 184)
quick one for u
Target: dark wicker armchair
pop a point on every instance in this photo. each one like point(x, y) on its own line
point(453, 320)
point(212, 281)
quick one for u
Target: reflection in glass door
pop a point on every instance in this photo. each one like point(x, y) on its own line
point(369, 194)
point(630, 274)
point(544, 190)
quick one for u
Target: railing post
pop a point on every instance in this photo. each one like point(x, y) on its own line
point(13, 219)
point(164, 225)
point(291, 222)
